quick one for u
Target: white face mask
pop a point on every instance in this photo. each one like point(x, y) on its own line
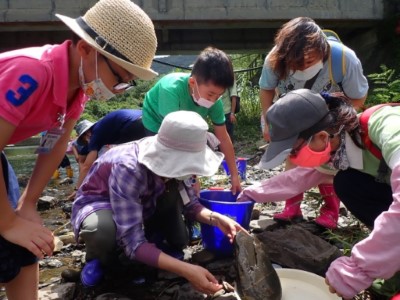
point(308, 73)
point(95, 89)
point(201, 101)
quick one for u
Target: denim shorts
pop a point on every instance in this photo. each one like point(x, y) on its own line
point(12, 258)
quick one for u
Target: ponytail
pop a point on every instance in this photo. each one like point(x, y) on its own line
point(344, 115)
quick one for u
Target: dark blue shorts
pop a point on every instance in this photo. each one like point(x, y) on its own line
point(12, 258)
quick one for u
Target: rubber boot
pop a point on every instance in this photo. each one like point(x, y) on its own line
point(329, 212)
point(56, 174)
point(92, 273)
point(292, 210)
point(69, 171)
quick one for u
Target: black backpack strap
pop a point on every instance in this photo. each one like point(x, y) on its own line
point(309, 83)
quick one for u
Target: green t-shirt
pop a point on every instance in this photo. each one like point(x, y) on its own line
point(384, 132)
point(171, 93)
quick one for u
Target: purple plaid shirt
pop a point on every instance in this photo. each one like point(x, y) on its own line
point(117, 181)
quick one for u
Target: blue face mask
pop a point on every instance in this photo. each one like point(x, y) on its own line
point(95, 89)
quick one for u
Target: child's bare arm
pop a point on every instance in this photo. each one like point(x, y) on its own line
point(13, 228)
point(43, 170)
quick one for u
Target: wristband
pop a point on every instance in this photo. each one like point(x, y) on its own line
point(211, 221)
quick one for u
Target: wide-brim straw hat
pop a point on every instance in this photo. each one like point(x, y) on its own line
point(121, 31)
point(180, 147)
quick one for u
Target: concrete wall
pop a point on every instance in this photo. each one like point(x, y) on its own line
point(185, 10)
point(187, 26)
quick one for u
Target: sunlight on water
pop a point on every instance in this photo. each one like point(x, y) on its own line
point(22, 159)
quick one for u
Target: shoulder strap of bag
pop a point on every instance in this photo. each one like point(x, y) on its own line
point(309, 83)
point(337, 61)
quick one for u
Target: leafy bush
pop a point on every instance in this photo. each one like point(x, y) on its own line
point(133, 99)
point(385, 86)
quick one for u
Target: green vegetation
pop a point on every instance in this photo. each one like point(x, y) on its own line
point(384, 86)
point(95, 110)
point(248, 126)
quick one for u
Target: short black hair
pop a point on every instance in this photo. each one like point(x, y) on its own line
point(214, 65)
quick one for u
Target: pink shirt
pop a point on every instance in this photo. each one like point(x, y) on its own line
point(34, 87)
point(377, 256)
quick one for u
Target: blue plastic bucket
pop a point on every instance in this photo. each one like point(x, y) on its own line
point(223, 202)
point(241, 164)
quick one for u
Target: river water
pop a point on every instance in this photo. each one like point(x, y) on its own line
point(22, 159)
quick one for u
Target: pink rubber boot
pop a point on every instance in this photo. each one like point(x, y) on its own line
point(292, 209)
point(329, 212)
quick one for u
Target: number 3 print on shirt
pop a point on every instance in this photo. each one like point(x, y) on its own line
point(23, 92)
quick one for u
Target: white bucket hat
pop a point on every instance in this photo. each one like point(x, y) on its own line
point(121, 31)
point(180, 147)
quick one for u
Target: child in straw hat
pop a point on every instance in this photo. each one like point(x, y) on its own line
point(115, 207)
point(45, 88)
point(200, 92)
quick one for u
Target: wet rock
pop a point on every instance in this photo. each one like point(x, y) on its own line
point(257, 279)
point(46, 202)
point(63, 291)
point(295, 247)
point(66, 181)
point(51, 263)
point(68, 238)
point(255, 214)
point(227, 292)
point(58, 244)
point(227, 296)
point(166, 275)
point(185, 291)
point(264, 223)
point(63, 231)
point(77, 253)
point(67, 207)
point(203, 257)
point(112, 296)
point(70, 275)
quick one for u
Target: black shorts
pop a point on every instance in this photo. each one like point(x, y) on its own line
point(12, 259)
point(12, 256)
point(65, 162)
